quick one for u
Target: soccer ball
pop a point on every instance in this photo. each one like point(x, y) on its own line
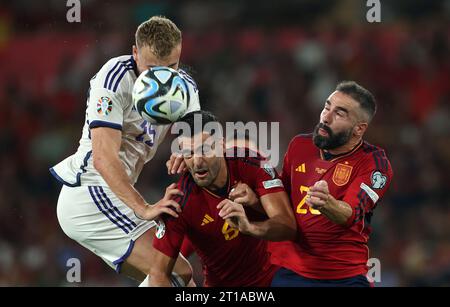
point(161, 95)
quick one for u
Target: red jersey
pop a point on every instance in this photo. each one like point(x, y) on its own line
point(324, 249)
point(229, 258)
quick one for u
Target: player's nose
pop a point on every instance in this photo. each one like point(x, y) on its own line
point(198, 161)
point(326, 118)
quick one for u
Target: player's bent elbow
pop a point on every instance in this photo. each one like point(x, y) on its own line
point(99, 162)
point(291, 233)
point(288, 231)
point(292, 226)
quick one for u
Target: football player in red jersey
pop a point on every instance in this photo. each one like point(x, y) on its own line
point(230, 242)
point(335, 180)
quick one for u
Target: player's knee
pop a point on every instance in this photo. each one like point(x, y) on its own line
point(183, 269)
point(132, 272)
point(140, 263)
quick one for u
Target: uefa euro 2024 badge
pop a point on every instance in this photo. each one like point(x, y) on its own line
point(269, 170)
point(160, 229)
point(104, 106)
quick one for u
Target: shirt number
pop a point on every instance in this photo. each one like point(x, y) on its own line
point(302, 203)
point(228, 232)
point(149, 134)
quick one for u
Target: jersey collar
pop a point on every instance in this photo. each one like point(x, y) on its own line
point(331, 158)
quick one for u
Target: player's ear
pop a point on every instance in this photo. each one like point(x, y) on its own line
point(135, 53)
point(360, 129)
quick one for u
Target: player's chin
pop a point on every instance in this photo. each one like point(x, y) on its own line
point(321, 141)
point(202, 182)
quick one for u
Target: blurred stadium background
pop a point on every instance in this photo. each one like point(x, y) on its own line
point(253, 61)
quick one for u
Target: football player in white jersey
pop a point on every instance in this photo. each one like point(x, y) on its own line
point(98, 206)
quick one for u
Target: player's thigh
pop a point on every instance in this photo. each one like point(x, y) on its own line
point(99, 221)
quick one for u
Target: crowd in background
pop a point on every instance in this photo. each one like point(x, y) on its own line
point(251, 63)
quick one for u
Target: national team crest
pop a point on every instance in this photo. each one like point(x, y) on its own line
point(342, 174)
point(104, 106)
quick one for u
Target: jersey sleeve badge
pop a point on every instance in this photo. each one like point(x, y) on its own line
point(378, 180)
point(269, 170)
point(160, 229)
point(274, 183)
point(104, 106)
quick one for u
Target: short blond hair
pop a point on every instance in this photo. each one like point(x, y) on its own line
point(160, 34)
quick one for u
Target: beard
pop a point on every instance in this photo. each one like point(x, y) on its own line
point(333, 140)
point(213, 172)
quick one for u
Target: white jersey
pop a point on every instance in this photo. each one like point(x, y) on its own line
point(109, 104)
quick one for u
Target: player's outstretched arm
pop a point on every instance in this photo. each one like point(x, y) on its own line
point(161, 269)
point(280, 225)
point(105, 151)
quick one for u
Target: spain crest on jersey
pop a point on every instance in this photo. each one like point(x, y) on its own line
point(342, 174)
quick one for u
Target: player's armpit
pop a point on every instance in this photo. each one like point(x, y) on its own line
point(161, 269)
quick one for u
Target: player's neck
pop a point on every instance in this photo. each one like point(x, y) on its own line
point(345, 148)
point(222, 178)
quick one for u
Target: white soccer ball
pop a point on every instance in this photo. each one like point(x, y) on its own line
point(161, 95)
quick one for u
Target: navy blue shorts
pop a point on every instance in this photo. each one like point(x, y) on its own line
point(287, 278)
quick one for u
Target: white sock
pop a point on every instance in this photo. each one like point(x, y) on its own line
point(176, 280)
point(145, 282)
